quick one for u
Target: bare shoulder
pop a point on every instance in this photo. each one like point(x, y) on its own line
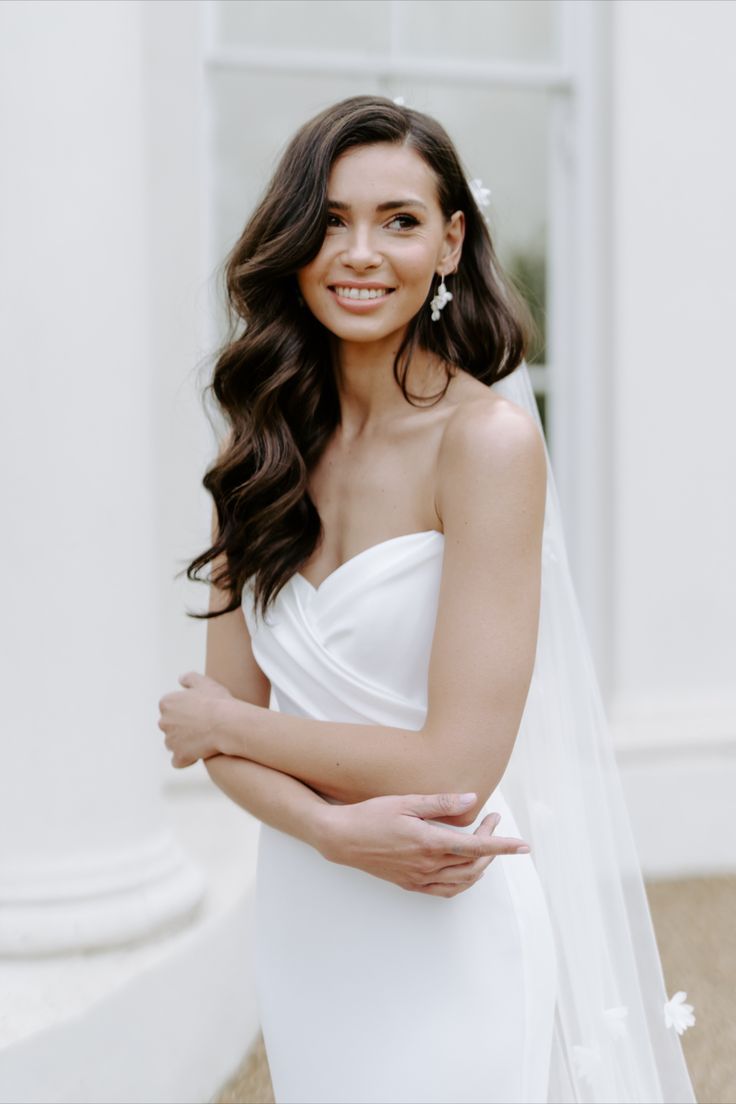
point(487, 435)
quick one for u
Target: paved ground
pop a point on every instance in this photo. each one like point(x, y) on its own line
point(695, 921)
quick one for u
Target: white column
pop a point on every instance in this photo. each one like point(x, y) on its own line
point(86, 858)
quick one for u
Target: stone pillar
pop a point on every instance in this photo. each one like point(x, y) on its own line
point(86, 858)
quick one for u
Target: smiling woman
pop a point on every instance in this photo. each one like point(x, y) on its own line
point(379, 562)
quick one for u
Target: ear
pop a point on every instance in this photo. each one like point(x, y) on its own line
point(452, 245)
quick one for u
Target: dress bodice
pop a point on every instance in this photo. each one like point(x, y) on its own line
point(357, 647)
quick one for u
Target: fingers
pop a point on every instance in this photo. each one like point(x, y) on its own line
point(190, 678)
point(428, 806)
point(461, 847)
point(442, 889)
point(463, 852)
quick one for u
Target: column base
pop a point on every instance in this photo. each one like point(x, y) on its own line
point(91, 903)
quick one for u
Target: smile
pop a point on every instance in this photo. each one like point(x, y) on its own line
point(360, 292)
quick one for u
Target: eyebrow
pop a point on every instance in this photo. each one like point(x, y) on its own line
point(390, 205)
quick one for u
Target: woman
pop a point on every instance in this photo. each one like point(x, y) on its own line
point(380, 526)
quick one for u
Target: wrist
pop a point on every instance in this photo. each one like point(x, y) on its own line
point(229, 726)
point(327, 830)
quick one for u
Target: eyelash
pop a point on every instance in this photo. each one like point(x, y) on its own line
point(412, 221)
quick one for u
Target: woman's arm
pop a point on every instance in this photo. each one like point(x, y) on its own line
point(491, 493)
point(276, 799)
point(387, 838)
point(273, 797)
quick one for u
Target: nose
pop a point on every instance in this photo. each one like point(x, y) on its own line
point(360, 251)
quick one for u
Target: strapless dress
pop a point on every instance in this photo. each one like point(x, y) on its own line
point(367, 992)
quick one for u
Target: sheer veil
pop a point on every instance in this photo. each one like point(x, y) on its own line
point(613, 1038)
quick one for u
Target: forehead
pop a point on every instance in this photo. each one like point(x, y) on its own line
point(381, 171)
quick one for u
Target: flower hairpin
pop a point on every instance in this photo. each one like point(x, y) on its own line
point(481, 195)
point(400, 101)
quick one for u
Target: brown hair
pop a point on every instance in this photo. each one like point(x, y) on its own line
point(274, 379)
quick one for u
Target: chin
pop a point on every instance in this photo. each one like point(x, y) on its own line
point(364, 332)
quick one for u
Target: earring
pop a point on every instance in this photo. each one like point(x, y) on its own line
point(441, 299)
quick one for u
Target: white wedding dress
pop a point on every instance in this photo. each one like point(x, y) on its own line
point(367, 992)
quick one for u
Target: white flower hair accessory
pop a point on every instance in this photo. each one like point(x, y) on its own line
point(677, 1014)
point(481, 195)
point(400, 101)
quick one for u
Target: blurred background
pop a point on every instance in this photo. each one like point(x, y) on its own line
point(136, 136)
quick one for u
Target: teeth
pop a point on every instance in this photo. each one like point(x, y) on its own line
point(361, 293)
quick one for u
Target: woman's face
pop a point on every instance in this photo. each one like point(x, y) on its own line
point(386, 243)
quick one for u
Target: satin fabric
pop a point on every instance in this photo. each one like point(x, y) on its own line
point(368, 992)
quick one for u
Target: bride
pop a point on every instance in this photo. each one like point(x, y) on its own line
point(388, 562)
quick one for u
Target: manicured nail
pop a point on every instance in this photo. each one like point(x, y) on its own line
point(523, 850)
point(467, 798)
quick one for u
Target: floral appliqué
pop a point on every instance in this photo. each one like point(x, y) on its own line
point(677, 1014)
point(588, 1060)
point(614, 1020)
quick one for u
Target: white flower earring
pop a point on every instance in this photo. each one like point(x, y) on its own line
point(440, 300)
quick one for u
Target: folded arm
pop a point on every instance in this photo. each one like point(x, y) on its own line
point(490, 495)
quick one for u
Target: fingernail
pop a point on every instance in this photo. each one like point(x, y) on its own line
point(523, 850)
point(467, 798)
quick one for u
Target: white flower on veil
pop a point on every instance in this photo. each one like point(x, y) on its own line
point(586, 1060)
point(677, 1014)
point(614, 1020)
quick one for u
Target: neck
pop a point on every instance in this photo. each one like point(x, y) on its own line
point(369, 394)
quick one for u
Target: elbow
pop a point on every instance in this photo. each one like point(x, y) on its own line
point(454, 782)
point(455, 774)
point(464, 820)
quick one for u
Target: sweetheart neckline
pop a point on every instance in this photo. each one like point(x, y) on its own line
point(363, 552)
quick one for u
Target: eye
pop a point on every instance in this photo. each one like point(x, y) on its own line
point(407, 221)
point(337, 219)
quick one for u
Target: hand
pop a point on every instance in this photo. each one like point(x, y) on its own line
point(389, 838)
point(188, 718)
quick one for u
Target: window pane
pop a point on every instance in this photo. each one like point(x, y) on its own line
point(304, 24)
point(478, 30)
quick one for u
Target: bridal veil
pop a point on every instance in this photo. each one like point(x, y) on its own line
point(614, 1039)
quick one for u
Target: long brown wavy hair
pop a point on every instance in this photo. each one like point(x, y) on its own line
point(274, 378)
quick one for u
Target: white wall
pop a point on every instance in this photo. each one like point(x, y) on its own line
point(674, 364)
point(674, 403)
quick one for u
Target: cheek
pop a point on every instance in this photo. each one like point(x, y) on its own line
point(315, 271)
point(305, 278)
point(416, 265)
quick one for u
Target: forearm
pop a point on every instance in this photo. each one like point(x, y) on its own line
point(275, 798)
point(350, 762)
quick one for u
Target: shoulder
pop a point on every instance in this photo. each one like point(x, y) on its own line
point(487, 436)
